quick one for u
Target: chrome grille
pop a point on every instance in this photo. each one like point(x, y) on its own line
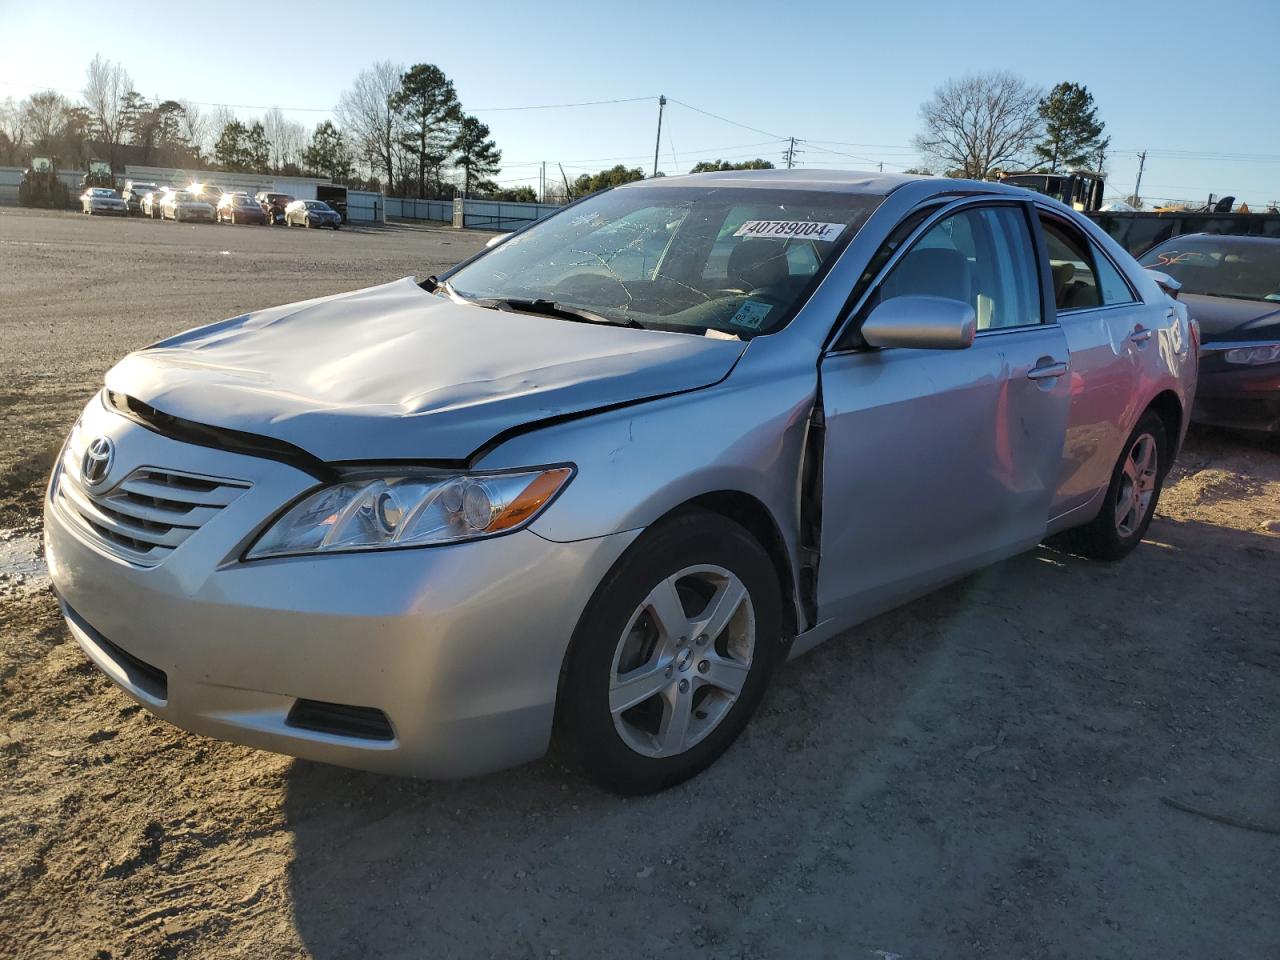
point(148, 514)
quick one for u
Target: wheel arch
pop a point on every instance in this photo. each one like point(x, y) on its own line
point(1168, 408)
point(752, 515)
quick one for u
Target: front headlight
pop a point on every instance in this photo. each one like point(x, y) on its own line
point(370, 511)
point(1263, 353)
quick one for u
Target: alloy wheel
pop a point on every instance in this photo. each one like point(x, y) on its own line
point(1137, 484)
point(682, 660)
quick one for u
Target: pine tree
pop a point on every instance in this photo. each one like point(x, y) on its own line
point(427, 109)
point(477, 155)
point(1072, 130)
point(229, 151)
point(328, 155)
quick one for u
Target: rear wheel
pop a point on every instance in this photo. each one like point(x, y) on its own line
point(1131, 496)
point(672, 655)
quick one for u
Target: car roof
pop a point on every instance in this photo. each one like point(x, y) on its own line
point(871, 183)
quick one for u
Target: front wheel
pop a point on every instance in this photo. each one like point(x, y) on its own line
point(672, 655)
point(1131, 497)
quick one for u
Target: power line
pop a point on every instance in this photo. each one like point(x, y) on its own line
point(716, 116)
point(559, 106)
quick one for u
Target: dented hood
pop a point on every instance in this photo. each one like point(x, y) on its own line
point(395, 372)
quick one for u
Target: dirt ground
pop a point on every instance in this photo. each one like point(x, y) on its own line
point(1004, 769)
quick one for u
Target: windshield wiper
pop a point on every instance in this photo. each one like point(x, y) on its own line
point(553, 308)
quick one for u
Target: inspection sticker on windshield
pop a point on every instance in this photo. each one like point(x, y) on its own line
point(790, 229)
point(751, 314)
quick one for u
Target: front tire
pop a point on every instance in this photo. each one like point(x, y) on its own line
point(671, 656)
point(1131, 497)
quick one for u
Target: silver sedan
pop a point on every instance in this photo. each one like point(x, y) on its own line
point(103, 200)
point(595, 485)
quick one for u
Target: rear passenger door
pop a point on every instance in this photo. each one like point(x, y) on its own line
point(939, 461)
point(1105, 324)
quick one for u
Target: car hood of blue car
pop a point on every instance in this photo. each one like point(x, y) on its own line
point(394, 372)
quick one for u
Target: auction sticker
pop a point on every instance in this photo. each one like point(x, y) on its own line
point(790, 230)
point(751, 314)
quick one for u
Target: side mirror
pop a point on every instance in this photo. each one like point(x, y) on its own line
point(495, 240)
point(1165, 282)
point(925, 323)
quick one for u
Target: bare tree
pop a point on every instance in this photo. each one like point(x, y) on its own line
point(368, 119)
point(106, 86)
point(43, 117)
point(287, 137)
point(978, 123)
point(12, 135)
point(195, 127)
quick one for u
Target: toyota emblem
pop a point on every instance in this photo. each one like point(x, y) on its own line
point(97, 461)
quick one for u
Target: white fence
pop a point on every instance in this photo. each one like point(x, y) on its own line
point(483, 214)
point(365, 206)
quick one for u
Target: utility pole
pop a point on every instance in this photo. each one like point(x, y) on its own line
point(881, 166)
point(1137, 187)
point(662, 102)
point(542, 183)
point(568, 190)
point(790, 153)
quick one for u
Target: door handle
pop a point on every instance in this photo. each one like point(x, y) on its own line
point(1047, 371)
point(1140, 335)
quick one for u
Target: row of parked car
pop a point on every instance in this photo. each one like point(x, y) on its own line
point(205, 202)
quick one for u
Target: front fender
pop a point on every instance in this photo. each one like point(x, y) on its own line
point(638, 463)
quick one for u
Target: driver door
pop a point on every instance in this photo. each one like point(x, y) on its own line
point(937, 462)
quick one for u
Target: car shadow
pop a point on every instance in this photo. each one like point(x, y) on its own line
point(845, 813)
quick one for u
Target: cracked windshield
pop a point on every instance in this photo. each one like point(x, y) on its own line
point(736, 261)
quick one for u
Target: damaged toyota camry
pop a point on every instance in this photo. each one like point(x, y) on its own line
point(593, 486)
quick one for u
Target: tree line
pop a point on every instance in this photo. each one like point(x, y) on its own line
point(405, 131)
point(397, 129)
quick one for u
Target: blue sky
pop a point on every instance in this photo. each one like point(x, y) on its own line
point(1194, 83)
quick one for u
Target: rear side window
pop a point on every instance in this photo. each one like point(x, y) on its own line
point(1113, 286)
point(1075, 285)
point(982, 257)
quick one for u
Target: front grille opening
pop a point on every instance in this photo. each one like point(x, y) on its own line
point(129, 543)
point(340, 719)
point(146, 515)
point(152, 681)
point(179, 481)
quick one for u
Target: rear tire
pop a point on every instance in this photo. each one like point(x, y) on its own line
point(651, 694)
point(1131, 497)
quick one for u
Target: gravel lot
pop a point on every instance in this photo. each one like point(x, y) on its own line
point(1004, 769)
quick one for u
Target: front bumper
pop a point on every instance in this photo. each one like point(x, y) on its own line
point(1240, 397)
point(459, 647)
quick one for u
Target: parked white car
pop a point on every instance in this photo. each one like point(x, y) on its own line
point(103, 200)
point(184, 205)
